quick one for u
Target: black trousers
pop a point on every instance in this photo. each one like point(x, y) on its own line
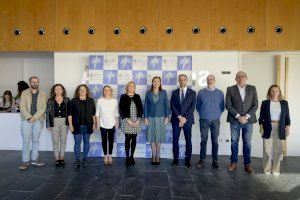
point(130, 143)
point(110, 135)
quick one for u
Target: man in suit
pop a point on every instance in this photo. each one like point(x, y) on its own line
point(183, 103)
point(241, 104)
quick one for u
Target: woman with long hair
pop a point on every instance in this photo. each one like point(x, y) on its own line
point(7, 102)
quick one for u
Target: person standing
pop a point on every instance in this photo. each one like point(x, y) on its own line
point(274, 121)
point(57, 113)
point(131, 112)
point(107, 116)
point(183, 101)
point(33, 104)
point(210, 105)
point(82, 122)
point(241, 104)
point(156, 112)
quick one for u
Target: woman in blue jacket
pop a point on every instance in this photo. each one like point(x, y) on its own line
point(156, 112)
point(274, 121)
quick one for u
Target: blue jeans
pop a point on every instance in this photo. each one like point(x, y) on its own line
point(188, 141)
point(235, 130)
point(31, 133)
point(214, 127)
point(78, 137)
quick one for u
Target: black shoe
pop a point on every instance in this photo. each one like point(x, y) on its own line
point(174, 162)
point(57, 163)
point(132, 162)
point(215, 165)
point(157, 163)
point(200, 164)
point(85, 162)
point(62, 163)
point(76, 164)
point(128, 162)
point(187, 164)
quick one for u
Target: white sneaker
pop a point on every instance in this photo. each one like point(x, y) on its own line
point(276, 173)
point(267, 173)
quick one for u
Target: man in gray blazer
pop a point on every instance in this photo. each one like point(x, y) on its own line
point(241, 104)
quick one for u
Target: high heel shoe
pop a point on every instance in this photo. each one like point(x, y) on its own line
point(110, 160)
point(105, 160)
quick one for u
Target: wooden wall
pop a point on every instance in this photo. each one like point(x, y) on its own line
point(156, 16)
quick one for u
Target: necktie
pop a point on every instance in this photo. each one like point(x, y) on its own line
point(181, 97)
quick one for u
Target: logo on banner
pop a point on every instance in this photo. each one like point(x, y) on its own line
point(141, 137)
point(110, 76)
point(181, 151)
point(95, 149)
point(169, 77)
point(140, 77)
point(96, 90)
point(96, 62)
point(184, 62)
point(124, 62)
point(154, 62)
point(121, 90)
point(121, 150)
point(148, 151)
point(169, 136)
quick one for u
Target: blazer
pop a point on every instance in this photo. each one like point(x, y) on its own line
point(50, 111)
point(25, 105)
point(156, 109)
point(265, 119)
point(124, 105)
point(235, 105)
point(186, 109)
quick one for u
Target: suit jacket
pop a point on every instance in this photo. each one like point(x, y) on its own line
point(265, 118)
point(186, 109)
point(235, 105)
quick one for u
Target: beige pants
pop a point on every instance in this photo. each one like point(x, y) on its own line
point(59, 137)
point(273, 150)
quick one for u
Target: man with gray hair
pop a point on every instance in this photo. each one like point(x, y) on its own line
point(241, 103)
point(33, 104)
point(210, 105)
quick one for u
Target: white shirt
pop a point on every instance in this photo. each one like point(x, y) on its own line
point(242, 91)
point(275, 110)
point(107, 110)
point(184, 92)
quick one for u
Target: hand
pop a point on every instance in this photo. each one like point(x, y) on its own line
point(130, 122)
point(287, 131)
point(31, 120)
point(181, 124)
point(146, 122)
point(166, 121)
point(136, 124)
point(243, 120)
point(49, 129)
point(71, 127)
point(117, 125)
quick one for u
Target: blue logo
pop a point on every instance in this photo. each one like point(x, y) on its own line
point(184, 62)
point(169, 77)
point(121, 90)
point(124, 62)
point(154, 62)
point(181, 151)
point(169, 136)
point(148, 151)
point(95, 149)
point(96, 90)
point(96, 62)
point(140, 77)
point(110, 76)
point(121, 150)
point(141, 137)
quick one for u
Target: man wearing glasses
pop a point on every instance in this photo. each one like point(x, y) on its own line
point(241, 104)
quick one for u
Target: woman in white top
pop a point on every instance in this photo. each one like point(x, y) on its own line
point(107, 115)
point(274, 123)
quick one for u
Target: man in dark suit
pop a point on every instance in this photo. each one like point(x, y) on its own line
point(183, 103)
point(241, 103)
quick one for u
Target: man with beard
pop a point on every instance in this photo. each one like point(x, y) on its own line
point(32, 111)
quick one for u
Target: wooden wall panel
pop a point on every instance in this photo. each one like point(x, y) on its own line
point(286, 14)
point(129, 16)
point(78, 16)
point(183, 16)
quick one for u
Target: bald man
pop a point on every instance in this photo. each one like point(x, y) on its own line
point(241, 104)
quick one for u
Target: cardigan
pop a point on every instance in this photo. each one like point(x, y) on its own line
point(159, 108)
point(265, 119)
point(124, 105)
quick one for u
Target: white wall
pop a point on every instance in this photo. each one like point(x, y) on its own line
point(15, 67)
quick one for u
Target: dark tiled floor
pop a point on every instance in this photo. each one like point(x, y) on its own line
point(144, 181)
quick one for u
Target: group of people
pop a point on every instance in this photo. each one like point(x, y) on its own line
point(83, 117)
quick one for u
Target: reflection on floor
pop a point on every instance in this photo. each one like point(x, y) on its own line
point(144, 181)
